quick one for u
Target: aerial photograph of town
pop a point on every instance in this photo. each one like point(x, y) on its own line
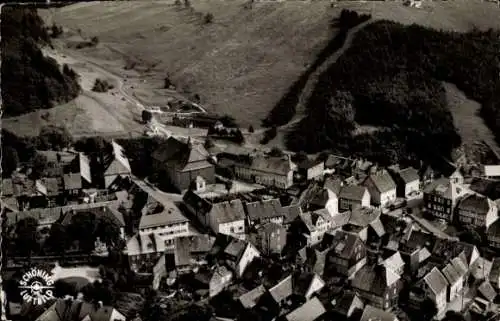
point(250, 160)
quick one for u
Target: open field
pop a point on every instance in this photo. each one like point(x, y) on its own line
point(469, 123)
point(244, 61)
point(89, 114)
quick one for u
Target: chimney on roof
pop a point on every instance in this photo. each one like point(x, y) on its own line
point(99, 304)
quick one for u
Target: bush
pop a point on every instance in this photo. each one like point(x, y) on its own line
point(56, 31)
point(168, 83)
point(101, 86)
point(208, 18)
point(54, 138)
point(399, 89)
point(146, 116)
point(94, 41)
point(269, 135)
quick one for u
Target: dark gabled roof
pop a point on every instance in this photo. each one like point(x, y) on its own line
point(374, 279)
point(265, 209)
point(418, 240)
point(344, 244)
point(302, 281)
point(182, 252)
point(235, 248)
point(72, 181)
point(487, 291)
point(382, 181)
point(333, 185)
point(353, 192)
point(309, 163)
point(170, 214)
point(170, 149)
point(346, 301)
point(475, 203)
point(291, 212)
point(52, 185)
point(196, 203)
point(451, 274)
point(409, 175)
point(226, 212)
point(436, 281)
point(494, 229)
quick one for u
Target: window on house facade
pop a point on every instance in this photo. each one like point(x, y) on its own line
point(231, 229)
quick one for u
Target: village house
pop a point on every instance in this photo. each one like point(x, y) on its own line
point(190, 252)
point(415, 249)
point(311, 310)
point(183, 163)
point(348, 254)
point(456, 177)
point(371, 313)
point(454, 274)
point(264, 211)
point(365, 221)
point(116, 165)
point(333, 188)
point(266, 170)
point(239, 254)
point(352, 196)
point(382, 188)
point(441, 198)
point(270, 238)
point(407, 181)
point(445, 250)
point(250, 299)
point(494, 276)
point(433, 286)
point(477, 211)
point(305, 285)
point(215, 280)
point(395, 263)
point(427, 175)
point(316, 224)
point(311, 169)
point(493, 235)
point(65, 310)
point(168, 222)
point(224, 217)
point(378, 285)
point(347, 304)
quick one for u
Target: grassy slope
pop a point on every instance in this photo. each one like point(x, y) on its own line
point(245, 61)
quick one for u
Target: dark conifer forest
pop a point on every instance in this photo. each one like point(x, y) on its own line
point(30, 80)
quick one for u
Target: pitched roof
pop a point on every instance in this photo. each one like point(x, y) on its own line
point(460, 266)
point(436, 281)
point(309, 311)
point(282, 290)
point(311, 219)
point(344, 244)
point(353, 192)
point(394, 262)
point(169, 149)
point(265, 209)
point(7, 187)
point(72, 181)
point(495, 269)
point(118, 163)
point(451, 274)
point(269, 164)
point(250, 299)
point(409, 175)
point(235, 248)
point(371, 313)
point(195, 158)
point(346, 301)
point(333, 185)
point(291, 212)
point(476, 203)
point(363, 216)
point(494, 229)
point(374, 279)
point(226, 212)
point(182, 253)
point(487, 291)
point(84, 163)
point(99, 210)
point(302, 281)
point(170, 215)
point(382, 181)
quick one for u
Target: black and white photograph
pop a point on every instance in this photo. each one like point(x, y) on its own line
point(250, 160)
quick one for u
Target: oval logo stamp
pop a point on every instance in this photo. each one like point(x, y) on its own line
point(36, 286)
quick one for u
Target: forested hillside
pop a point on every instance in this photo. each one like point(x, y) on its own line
point(31, 81)
point(391, 78)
